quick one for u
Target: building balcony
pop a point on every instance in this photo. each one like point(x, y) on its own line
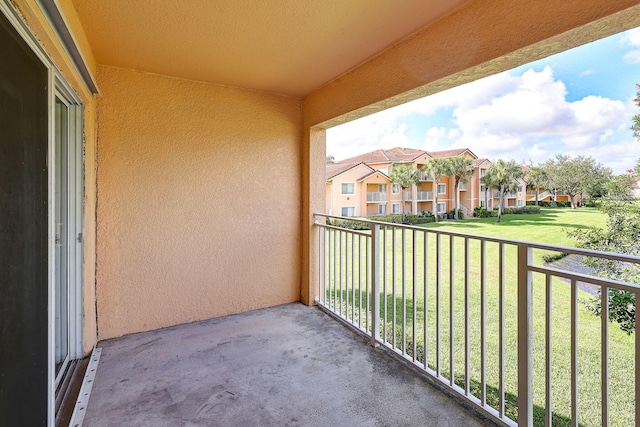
point(424, 196)
point(422, 176)
point(285, 365)
point(376, 197)
point(506, 195)
point(480, 317)
point(408, 196)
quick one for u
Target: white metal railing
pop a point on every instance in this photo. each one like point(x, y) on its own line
point(408, 195)
point(424, 176)
point(376, 197)
point(424, 196)
point(506, 195)
point(461, 308)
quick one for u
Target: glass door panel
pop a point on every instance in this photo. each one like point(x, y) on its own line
point(61, 237)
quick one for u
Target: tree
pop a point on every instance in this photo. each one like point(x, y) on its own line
point(635, 120)
point(403, 175)
point(460, 169)
point(330, 159)
point(621, 235)
point(503, 176)
point(536, 177)
point(576, 175)
point(436, 168)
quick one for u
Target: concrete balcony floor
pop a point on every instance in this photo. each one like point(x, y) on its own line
point(289, 365)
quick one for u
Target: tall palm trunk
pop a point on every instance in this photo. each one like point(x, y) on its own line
point(500, 202)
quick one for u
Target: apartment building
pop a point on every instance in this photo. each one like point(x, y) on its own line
point(360, 185)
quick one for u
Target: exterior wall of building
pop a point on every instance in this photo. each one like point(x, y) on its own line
point(336, 200)
point(188, 227)
point(48, 37)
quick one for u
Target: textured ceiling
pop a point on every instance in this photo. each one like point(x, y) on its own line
point(289, 47)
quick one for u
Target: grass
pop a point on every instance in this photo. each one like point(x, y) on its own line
point(548, 227)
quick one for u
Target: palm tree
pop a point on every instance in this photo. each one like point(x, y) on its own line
point(461, 169)
point(403, 175)
point(536, 177)
point(436, 168)
point(504, 176)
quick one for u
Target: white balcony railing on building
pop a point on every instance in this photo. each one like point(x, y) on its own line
point(408, 195)
point(439, 300)
point(376, 197)
point(424, 176)
point(506, 195)
point(424, 196)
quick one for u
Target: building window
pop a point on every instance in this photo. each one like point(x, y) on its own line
point(442, 207)
point(395, 208)
point(382, 209)
point(395, 188)
point(519, 203)
point(482, 203)
point(482, 172)
point(482, 188)
point(442, 188)
point(382, 188)
point(520, 188)
point(349, 211)
point(348, 188)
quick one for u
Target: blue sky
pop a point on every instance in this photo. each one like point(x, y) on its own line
point(576, 102)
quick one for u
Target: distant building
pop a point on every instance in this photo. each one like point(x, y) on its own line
point(360, 185)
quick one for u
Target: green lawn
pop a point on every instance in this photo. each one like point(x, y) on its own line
point(547, 227)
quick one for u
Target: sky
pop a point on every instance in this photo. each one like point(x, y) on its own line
point(576, 102)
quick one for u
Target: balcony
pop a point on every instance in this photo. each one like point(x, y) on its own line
point(480, 318)
point(424, 196)
point(408, 195)
point(376, 197)
point(422, 176)
point(284, 365)
point(506, 195)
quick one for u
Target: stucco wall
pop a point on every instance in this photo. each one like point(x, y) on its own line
point(198, 201)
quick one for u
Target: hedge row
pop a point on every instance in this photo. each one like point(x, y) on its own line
point(550, 204)
point(410, 219)
point(485, 213)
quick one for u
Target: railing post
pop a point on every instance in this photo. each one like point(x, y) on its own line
point(525, 338)
point(375, 284)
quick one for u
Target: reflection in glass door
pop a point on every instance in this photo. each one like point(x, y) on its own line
point(61, 238)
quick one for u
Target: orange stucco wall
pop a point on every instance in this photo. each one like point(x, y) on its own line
point(198, 201)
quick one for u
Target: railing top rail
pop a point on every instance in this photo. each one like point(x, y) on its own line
point(346, 230)
point(533, 245)
point(600, 281)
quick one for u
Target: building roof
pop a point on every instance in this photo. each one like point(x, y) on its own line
point(373, 172)
point(478, 162)
point(335, 169)
point(394, 155)
point(450, 153)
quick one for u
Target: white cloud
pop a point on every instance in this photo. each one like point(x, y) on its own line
point(525, 117)
point(586, 73)
point(632, 39)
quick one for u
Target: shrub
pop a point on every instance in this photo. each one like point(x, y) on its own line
point(481, 212)
point(552, 204)
point(521, 210)
point(410, 219)
point(452, 212)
